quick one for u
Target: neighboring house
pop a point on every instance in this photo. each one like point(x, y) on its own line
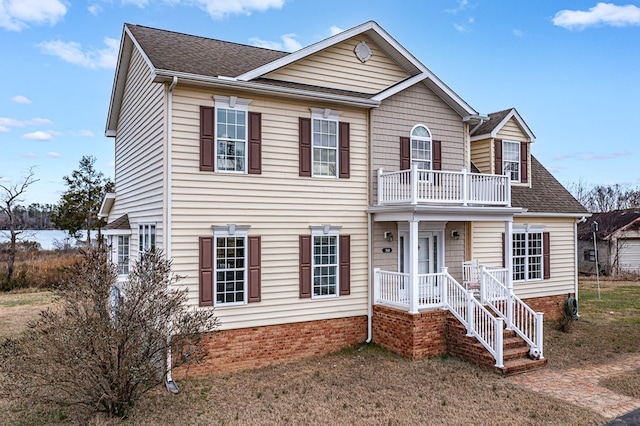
point(617, 242)
point(333, 195)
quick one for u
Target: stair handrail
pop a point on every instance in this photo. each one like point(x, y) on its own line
point(479, 322)
point(519, 316)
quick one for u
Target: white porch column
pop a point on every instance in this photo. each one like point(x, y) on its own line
point(508, 264)
point(413, 267)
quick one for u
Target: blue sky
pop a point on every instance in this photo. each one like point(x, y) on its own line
point(570, 68)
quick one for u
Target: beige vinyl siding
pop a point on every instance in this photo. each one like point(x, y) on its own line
point(487, 249)
point(511, 131)
point(278, 205)
point(139, 147)
point(482, 155)
point(338, 67)
point(395, 118)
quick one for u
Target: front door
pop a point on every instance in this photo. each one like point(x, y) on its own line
point(427, 252)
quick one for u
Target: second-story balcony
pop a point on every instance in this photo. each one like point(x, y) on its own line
point(435, 187)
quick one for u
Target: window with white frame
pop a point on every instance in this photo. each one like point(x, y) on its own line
point(123, 254)
point(421, 147)
point(325, 260)
point(231, 134)
point(230, 260)
point(527, 255)
point(511, 159)
point(324, 140)
point(146, 238)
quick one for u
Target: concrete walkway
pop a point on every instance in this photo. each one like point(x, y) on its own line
point(580, 386)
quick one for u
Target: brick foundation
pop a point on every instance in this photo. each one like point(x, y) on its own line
point(552, 306)
point(247, 348)
point(414, 336)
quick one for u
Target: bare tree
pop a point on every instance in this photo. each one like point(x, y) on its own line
point(10, 196)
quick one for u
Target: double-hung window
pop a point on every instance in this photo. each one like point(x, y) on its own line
point(231, 134)
point(324, 140)
point(511, 159)
point(230, 260)
point(146, 238)
point(123, 254)
point(421, 147)
point(325, 258)
point(527, 254)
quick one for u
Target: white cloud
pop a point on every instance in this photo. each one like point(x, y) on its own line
point(288, 43)
point(38, 136)
point(460, 28)
point(30, 155)
point(219, 9)
point(53, 154)
point(12, 122)
point(462, 5)
point(112, 164)
point(335, 30)
point(16, 15)
point(73, 53)
point(83, 133)
point(139, 3)
point(95, 9)
point(4, 129)
point(19, 99)
point(600, 14)
point(518, 33)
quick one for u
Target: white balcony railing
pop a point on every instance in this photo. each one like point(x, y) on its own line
point(417, 186)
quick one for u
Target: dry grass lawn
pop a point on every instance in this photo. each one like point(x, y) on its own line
point(368, 385)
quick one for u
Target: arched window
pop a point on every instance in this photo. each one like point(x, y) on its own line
point(421, 147)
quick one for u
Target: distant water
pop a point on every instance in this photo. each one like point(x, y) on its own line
point(49, 239)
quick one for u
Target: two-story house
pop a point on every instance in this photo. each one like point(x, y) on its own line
point(335, 195)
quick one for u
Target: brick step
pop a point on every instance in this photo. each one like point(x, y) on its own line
point(521, 365)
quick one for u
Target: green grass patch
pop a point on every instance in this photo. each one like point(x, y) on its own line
point(9, 300)
point(618, 301)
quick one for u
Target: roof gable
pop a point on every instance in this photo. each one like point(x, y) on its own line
point(497, 120)
point(609, 223)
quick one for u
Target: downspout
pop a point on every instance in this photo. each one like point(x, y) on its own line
point(370, 304)
point(169, 383)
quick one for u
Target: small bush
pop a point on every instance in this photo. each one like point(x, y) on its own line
point(99, 355)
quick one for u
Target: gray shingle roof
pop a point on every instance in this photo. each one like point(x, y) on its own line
point(120, 223)
point(608, 223)
point(494, 119)
point(179, 52)
point(546, 194)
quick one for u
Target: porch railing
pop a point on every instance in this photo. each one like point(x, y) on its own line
point(441, 290)
point(415, 186)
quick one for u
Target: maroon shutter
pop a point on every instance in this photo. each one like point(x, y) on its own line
point(524, 162)
point(345, 265)
point(255, 280)
point(255, 143)
point(206, 138)
point(305, 266)
point(304, 135)
point(405, 153)
point(498, 154)
point(206, 271)
point(436, 148)
point(546, 256)
point(343, 153)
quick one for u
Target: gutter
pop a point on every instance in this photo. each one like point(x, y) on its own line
point(231, 83)
point(169, 383)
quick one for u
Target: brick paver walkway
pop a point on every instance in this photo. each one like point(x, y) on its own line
point(580, 386)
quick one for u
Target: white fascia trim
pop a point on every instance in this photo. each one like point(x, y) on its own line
point(268, 89)
point(523, 126)
point(124, 58)
point(554, 215)
point(399, 87)
point(107, 203)
point(108, 232)
point(310, 50)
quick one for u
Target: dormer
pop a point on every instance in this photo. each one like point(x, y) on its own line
point(502, 145)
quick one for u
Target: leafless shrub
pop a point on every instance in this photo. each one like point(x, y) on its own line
point(101, 353)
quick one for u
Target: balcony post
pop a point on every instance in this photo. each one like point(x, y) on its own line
point(465, 187)
point(414, 184)
point(379, 200)
point(376, 285)
point(539, 339)
point(471, 326)
point(414, 292)
point(508, 263)
point(508, 189)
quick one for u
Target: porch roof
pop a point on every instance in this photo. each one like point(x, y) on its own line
point(443, 213)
